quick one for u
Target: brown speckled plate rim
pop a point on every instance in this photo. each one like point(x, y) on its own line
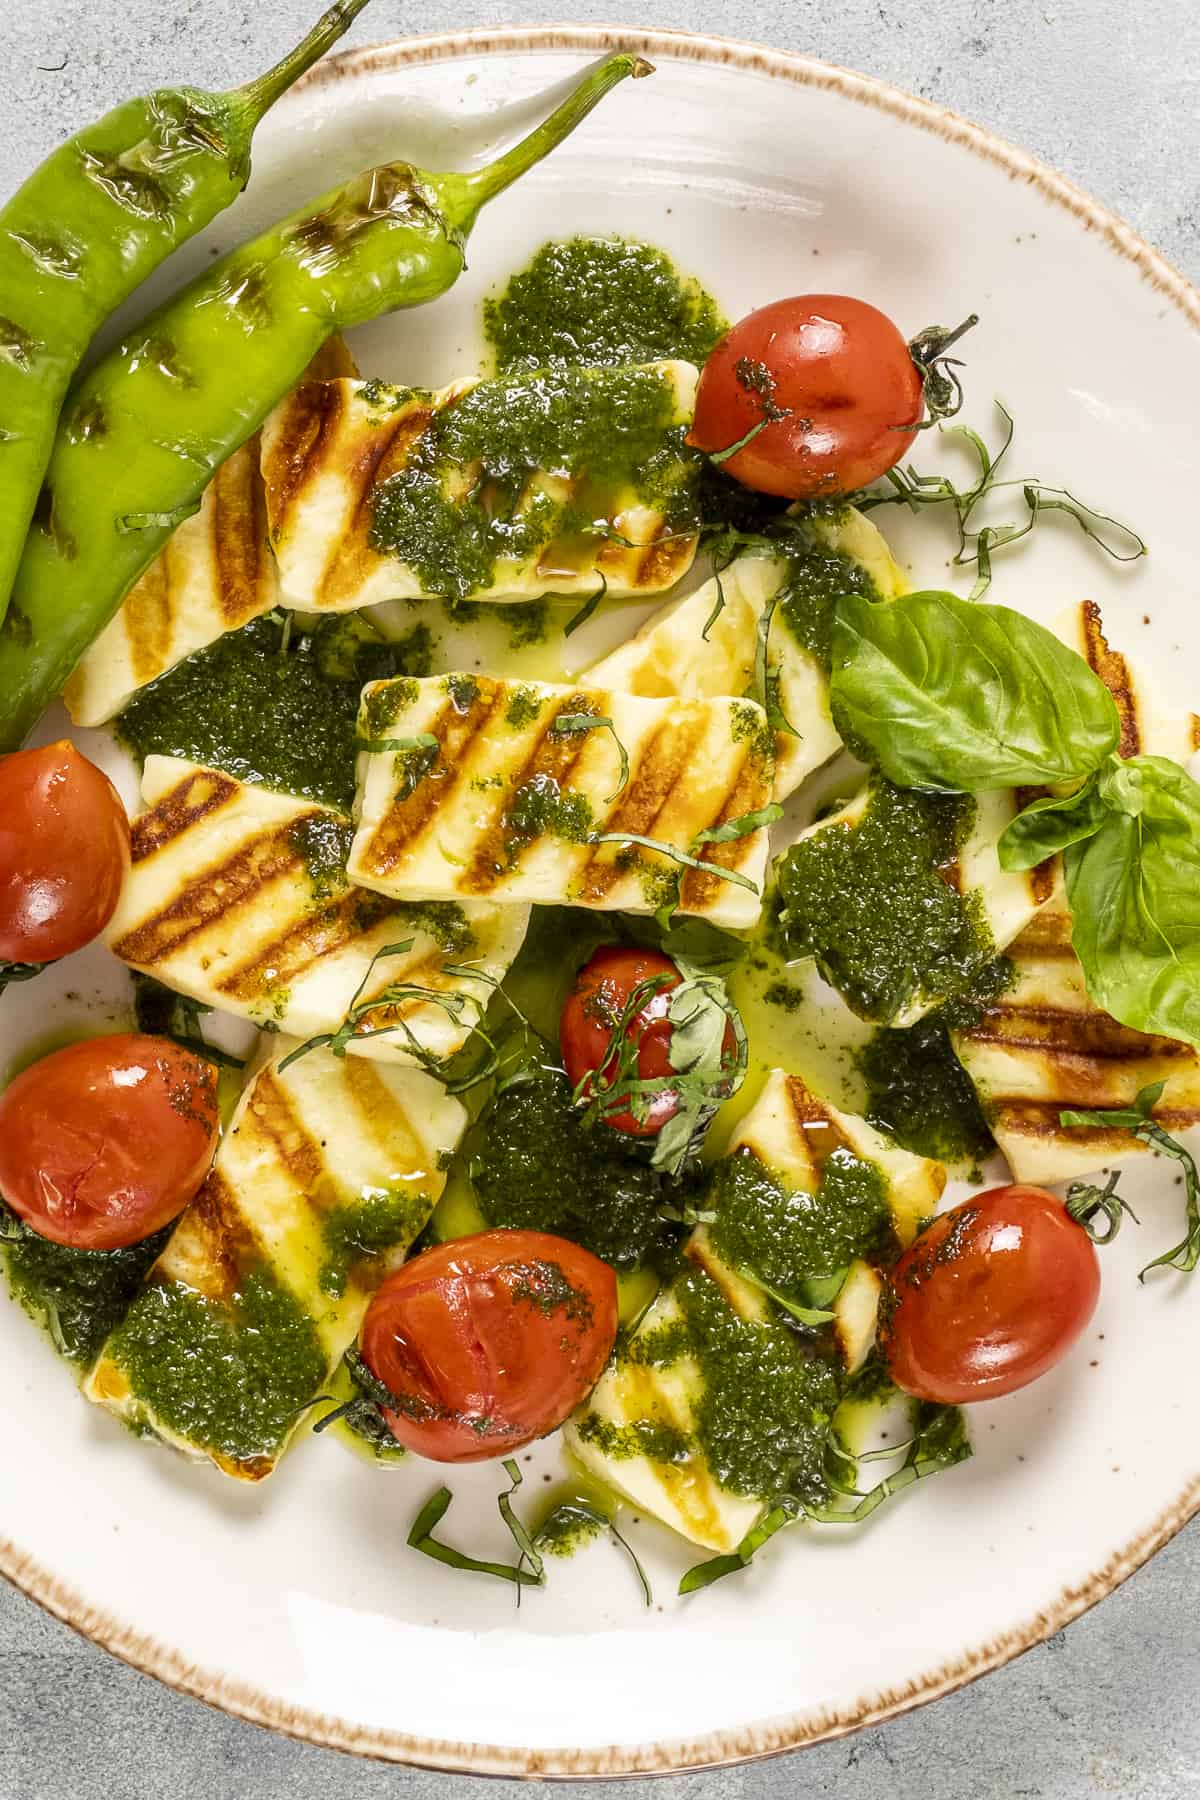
point(772, 1737)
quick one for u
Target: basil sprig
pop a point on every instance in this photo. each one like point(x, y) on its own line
point(1131, 855)
point(945, 694)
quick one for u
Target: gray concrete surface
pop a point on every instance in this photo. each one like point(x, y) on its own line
point(1106, 90)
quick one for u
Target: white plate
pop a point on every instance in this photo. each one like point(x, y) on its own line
point(298, 1605)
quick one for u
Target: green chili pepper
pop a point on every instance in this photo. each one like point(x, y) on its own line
point(144, 432)
point(90, 224)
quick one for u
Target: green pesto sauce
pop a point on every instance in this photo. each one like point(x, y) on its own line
point(523, 708)
point(287, 720)
point(444, 920)
point(817, 579)
point(568, 1528)
point(785, 1237)
point(230, 1379)
point(323, 845)
point(365, 1229)
point(762, 1415)
point(535, 1166)
point(768, 1398)
point(603, 430)
point(920, 1092)
point(78, 1296)
point(601, 300)
point(540, 808)
point(868, 903)
point(652, 1438)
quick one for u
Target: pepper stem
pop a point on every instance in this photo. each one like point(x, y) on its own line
point(261, 94)
point(482, 185)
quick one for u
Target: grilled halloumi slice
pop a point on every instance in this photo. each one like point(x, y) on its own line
point(1042, 1046)
point(216, 574)
point(791, 1133)
point(239, 897)
point(1007, 900)
point(328, 1172)
point(330, 448)
point(672, 655)
point(492, 799)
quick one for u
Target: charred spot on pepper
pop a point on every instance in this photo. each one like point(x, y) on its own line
point(88, 422)
point(133, 189)
point(49, 255)
point(245, 292)
point(18, 346)
point(161, 354)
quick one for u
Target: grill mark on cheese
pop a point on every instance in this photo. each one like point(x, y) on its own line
point(146, 618)
point(351, 556)
point(326, 932)
point(309, 423)
point(212, 894)
point(1066, 1035)
point(212, 1246)
point(1114, 673)
point(749, 790)
point(198, 795)
point(1040, 1119)
point(238, 530)
point(688, 1484)
point(409, 819)
point(271, 1114)
point(820, 1134)
point(427, 971)
point(496, 853)
point(1047, 937)
point(663, 763)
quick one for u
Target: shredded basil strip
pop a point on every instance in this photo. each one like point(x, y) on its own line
point(424, 740)
point(570, 724)
point(1140, 1122)
point(741, 827)
point(680, 856)
point(421, 1538)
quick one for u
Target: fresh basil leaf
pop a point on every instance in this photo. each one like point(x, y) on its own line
point(740, 827)
point(943, 694)
point(1048, 826)
point(702, 1575)
point(1134, 893)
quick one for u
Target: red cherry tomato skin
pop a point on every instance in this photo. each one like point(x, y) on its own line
point(64, 852)
point(992, 1295)
point(844, 373)
point(490, 1340)
point(592, 1012)
point(103, 1143)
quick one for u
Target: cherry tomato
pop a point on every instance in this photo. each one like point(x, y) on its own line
point(64, 850)
point(490, 1341)
point(836, 383)
point(106, 1141)
point(593, 1012)
point(992, 1295)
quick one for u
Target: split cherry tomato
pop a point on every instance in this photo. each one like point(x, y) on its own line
point(592, 1013)
point(992, 1295)
point(64, 850)
point(834, 381)
point(489, 1341)
point(103, 1143)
